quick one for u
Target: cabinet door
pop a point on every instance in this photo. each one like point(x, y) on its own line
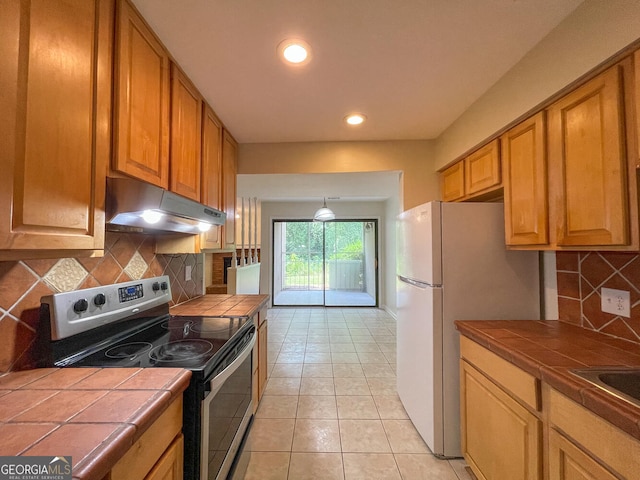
point(185, 162)
point(568, 462)
point(55, 59)
point(500, 438)
point(482, 169)
point(170, 466)
point(229, 170)
point(452, 182)
point(141, 132)
point(588, 163)
point(211, 172)
point(524, 167)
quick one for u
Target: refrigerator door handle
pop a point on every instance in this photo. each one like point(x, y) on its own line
point(416, 283)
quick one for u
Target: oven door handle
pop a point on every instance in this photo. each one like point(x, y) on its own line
point(216, 382)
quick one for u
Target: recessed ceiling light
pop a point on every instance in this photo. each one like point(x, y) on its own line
point(355, 118)
point(294, 51)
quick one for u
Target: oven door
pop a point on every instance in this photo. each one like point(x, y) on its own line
point(226, 412)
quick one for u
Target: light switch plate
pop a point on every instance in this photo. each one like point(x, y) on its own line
point(187, 273)
point(616, 302)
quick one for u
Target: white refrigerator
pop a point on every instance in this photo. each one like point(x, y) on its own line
point(452, 264)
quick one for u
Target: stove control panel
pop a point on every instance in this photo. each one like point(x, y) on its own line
point(131, 292)
point(82, 310)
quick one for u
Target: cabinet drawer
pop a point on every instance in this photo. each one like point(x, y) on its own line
point(523, 386)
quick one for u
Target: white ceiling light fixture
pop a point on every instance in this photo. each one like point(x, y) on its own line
point(324, 214)
point(355, 119)
point(294, 51)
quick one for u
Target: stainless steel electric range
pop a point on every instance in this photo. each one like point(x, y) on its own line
point(129, 325)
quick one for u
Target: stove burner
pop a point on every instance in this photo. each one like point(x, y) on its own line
point(128, 350)
point(208, 327)
point(180, 351)
point(184, 326)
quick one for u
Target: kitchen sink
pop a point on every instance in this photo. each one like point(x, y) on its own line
point(622, 382)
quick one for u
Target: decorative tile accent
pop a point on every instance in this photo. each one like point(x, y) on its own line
point(66, 275)
point(126, 257)
point(581, 277)
point(136, 267)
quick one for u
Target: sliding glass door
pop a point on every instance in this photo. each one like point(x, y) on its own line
point(325, 264)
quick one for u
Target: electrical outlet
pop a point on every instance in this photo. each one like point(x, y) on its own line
point(616, 302)
point(187, 273)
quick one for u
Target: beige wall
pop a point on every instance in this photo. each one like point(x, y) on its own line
point(593, 33)
point(414, 158)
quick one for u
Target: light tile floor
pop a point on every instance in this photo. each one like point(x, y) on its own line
point(330, 408)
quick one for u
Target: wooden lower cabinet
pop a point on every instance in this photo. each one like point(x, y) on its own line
point(568, 462)
point(583, 445)
point(170, 466)
point(500, 438)
point(158, 453)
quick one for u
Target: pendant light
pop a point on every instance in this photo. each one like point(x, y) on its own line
point(324, 214)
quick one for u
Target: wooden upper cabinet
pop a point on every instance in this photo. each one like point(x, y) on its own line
point(141, 132)
point(452, 182)
point(229, 171)
point(55, 131)
point(588, 167)
point(524, 167)
point(482, 169)
point(186, 136)
point(211, 193)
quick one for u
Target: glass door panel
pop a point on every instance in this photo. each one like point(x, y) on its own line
point(350, 252)
point(324, 263)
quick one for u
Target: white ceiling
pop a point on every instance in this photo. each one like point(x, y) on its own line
point(412, 66)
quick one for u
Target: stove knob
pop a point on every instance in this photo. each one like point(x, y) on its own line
point(99, 300)
point(164, 286)
point(81, 305)
point(155, 287)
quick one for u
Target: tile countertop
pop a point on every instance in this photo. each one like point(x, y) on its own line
point(92, 414)
point(219, 305)
point(549, 349)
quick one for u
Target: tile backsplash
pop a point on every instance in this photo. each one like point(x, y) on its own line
point(581, 276)
point(127, 257)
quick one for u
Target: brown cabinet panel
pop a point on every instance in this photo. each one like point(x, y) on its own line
point(482, 169)
point(514, 452)
point(186, 136)
point(211, 192)
point(171, 464)
point(568, 462)
point(141, 133)
point(524, 178)
point(452, 182)
point(55, 58)
point(229, 171)
point(588, 163)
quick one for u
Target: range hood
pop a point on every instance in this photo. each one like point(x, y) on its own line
point(136, 206)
